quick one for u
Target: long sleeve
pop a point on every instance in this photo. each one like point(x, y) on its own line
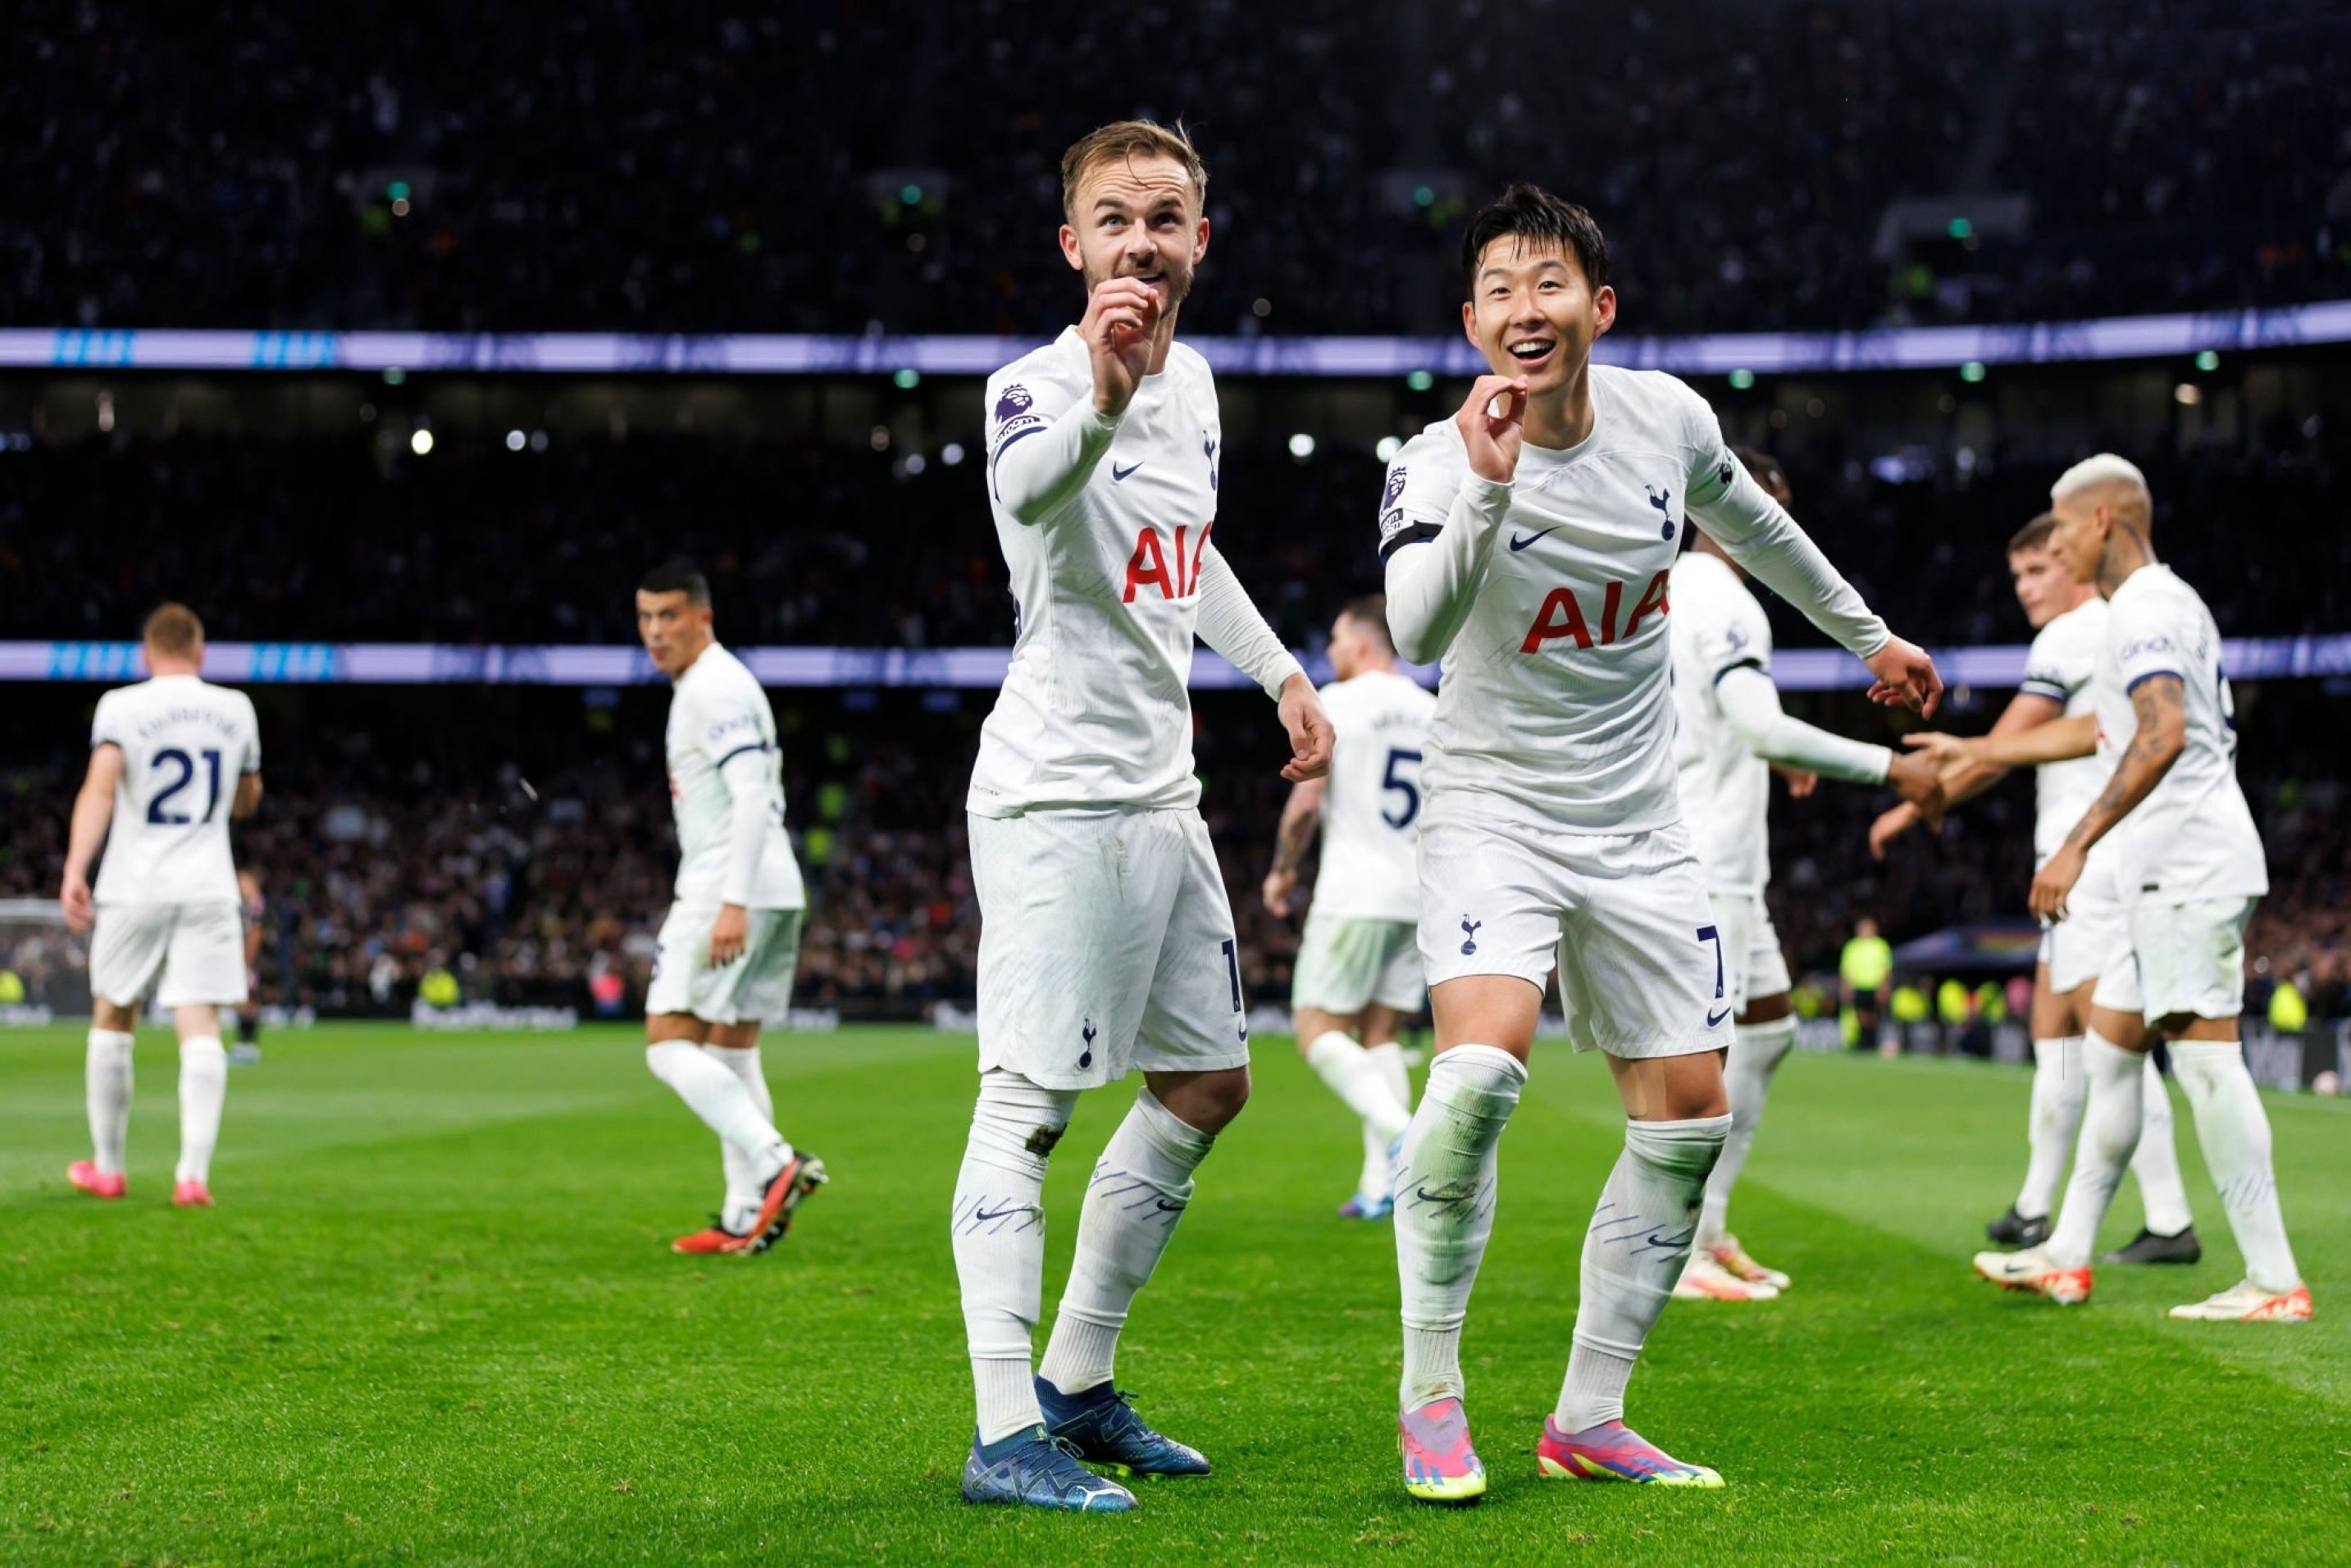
point(1752, 703)
point(1230, 623)
point(1040, 468)
point(1432, 585)
point(749, 801)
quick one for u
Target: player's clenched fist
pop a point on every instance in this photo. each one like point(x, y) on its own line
point(1118, 329)
point(1493, 427)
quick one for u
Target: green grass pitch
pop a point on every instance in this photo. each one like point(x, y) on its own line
point(436, 1319)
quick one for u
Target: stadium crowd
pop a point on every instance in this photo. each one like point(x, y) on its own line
point(813, 545)
point(381, 865)
point(828, 167)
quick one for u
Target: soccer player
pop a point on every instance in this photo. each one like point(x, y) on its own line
point(172, 760)
point(1729, 734)
point(1358, 970)
point(2191, 867)
point(1106, 941)
point(726, 955)
point(2069, 623)
point(1529, 542)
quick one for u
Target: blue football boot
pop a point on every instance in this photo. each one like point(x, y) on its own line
point(1103, 1429)
point(1031, 1468)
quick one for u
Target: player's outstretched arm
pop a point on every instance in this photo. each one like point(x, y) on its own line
point(2159, 702)
point(1301, 814)
point(1229, 623)
point(1967, 778)
point(1752, 704)
point(2057, 740)
point(93, 813)
point(1433, 584)
point(1042, 462)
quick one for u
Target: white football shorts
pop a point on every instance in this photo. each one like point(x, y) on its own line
point(2183, 958)
point(754, 988)
point(1643, 966)
point(1754, 965)
point(1346, 964)
point(198, 949)
point(2095, 935)
point(1106, 947)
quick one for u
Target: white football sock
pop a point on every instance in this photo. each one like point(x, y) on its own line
point(999, 1227)
point(1639, 1240)
point(1358, 1080)
point(106, 1076)
point(1756, 1051)
point(203, 1088)
point(1444, 1208)
point(2156, 1162)
point(714, 1093)
point(2056, 1119)
point(2114, 1083)
point(745, 1191)
point(2235, 1132)
point(1139, 1188)
point(1379, 1169)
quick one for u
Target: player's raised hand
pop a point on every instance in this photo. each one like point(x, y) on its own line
point(1493, 427)
point(1119, 322)
point(1918, 779)
point(1906, 678)
point(1309, 731)
point(74, 895)
point(1891, 825)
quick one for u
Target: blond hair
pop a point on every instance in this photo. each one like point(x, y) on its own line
point(173, 630)
point(1123, 140)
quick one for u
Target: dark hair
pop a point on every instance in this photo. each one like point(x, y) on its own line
point(1532, 212)
point(1764, 468)
point(172, 629)
point(2035, 535)
point(1371, 613)
point(678, 577)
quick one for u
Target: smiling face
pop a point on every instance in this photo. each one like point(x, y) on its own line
point(1533, 313)
point(1137, 216)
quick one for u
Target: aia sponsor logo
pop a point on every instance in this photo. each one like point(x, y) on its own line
point(1562, 616)
point(1176, 573)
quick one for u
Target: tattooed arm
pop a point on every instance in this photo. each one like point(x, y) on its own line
point(2157, 703)
point(1300, 817)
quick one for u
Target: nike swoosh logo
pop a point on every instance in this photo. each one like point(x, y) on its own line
point(1519, 544)
point(1714, 1020)
point(981, 1216)
point(1117, 473)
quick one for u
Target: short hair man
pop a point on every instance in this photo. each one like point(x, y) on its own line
point(2191, 869)
point(172, 760)
point(728, 948)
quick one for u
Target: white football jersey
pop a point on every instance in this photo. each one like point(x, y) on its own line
point(1554, 693)
point(1371, 808)
point(722, 741)
point(2193, 837)
point(1094, 711)
point(1718, 627)
point(185, 743)
point(2063, 666)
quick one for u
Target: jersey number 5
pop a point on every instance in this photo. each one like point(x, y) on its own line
point(174, 756)
point(1404, 784)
